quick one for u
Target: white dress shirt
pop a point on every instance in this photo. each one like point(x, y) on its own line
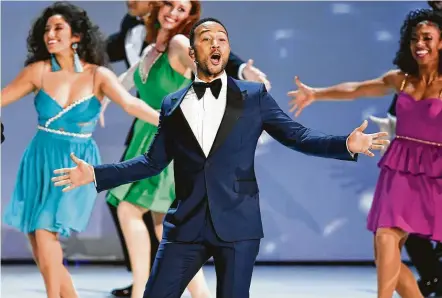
point(204, 115)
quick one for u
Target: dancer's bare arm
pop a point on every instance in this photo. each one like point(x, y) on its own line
point(179, 52)
point(114, 90)
point(306, 95)
point(25, 83)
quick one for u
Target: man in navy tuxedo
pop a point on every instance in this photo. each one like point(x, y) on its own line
point(210, 130)
point(127, 45)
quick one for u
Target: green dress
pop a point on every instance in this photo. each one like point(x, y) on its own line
point(156, 193)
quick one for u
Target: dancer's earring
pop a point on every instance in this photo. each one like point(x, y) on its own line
point(77, 63)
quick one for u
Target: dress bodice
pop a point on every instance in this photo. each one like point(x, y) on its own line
point(417, 147)
point(420, 119)
point(160, 81)
point(80, 117)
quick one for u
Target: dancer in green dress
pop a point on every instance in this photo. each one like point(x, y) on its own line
point(157, 193)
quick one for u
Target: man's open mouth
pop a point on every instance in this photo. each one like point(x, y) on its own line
point(215, 58)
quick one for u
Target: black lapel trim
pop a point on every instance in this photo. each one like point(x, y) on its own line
point(182, 129)
point(234, 109)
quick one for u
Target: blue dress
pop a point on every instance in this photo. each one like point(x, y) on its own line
point(36, 203)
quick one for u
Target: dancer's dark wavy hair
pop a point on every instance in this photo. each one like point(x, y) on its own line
point(91, 47)
point(404, 59)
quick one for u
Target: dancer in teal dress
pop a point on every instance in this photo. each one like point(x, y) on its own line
point(64, 70)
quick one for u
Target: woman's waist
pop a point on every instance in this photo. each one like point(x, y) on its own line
point(61, 134)
point(410, 139)
point(415, 156)
point(75, 126)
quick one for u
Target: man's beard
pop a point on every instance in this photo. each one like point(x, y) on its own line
point(203, 66)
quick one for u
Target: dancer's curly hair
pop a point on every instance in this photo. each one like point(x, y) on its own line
point(91, 47)
point(404, 59)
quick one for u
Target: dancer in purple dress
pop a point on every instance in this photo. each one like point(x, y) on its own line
point(408, 197)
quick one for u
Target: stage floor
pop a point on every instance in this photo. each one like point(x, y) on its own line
point(268, 281)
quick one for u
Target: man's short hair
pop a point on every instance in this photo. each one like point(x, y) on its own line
point(202, 21)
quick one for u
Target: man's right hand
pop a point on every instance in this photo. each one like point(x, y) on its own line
point(74, 177)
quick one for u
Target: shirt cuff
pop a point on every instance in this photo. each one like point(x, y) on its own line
point(351, 153)
point(240, 71)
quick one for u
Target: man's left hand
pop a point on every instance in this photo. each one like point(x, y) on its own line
point(359, 142)
point(251, 73)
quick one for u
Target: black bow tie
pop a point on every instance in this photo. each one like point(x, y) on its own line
point(200, 88)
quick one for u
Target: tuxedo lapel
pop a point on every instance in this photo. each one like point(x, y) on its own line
point(234, 108)
point(182, 129)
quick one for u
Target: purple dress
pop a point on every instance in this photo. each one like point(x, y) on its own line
point(409, 190)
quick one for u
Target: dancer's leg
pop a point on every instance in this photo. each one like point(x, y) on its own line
point(137, 240)
point(67, 287)
point(407, 285)
point(392, 273)
point(114, 214)
point(50, 261)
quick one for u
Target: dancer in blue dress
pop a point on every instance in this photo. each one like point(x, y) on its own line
point(65, 70)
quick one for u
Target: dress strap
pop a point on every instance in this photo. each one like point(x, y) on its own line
point(93, 78)
point(404, 81)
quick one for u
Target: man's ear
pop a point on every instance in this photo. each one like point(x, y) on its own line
point(192, 53)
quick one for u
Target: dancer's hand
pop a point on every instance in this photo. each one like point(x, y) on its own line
point(359, 142)
point(301, 98)
point(251, 73)
point(385, 125)
point(74, 177)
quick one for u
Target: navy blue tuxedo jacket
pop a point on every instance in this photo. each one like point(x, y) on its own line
point(224, 182)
